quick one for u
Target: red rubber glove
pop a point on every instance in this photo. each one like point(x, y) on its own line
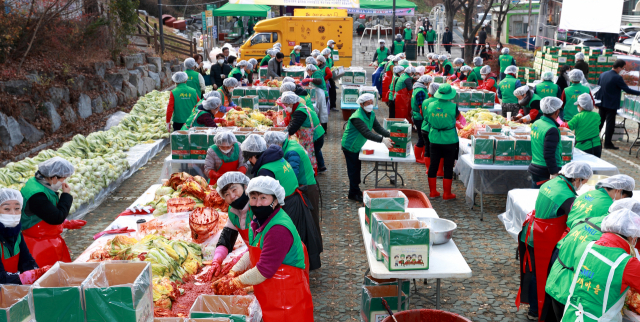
point(213, 176)
point(218, 119)
point(459, 126)
point(306, 81)
point(74, 224)
point(243, 170)
point(29, 277)
point(452, 77)
point(237, 108)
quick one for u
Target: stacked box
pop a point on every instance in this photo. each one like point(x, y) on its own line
point(439, 79)
point(263, 72)
point(504, 150)
point(14, 304)
point(251, 91)
point(400, 150)
point(522, 150)
point(350, 93)
point(400, 132)
point(405, 238)
point(383, 201)
point(199, 143)
point(567, 149)
point(371, 281)
point(348, 77)
point(477, 99)
point(263, 95)
point(180, 148)
point(249, 102)
point(568, 134)
point(552, 50)
point(493, 128)
point(371, 307)
point(237, 308)
point(274, 94)
point(334, 55)
point(294, 72)
point(540, 53)
point(238, 91)
point(371, 90)
point(590, 59)
point(464, 99)
point(482, 149)
point(236, 100)
point(489, 99)
point(612, 59)
point(360, 77)
point(387, 122)
point(469, 84)
point(376, 219)
point(595, 51)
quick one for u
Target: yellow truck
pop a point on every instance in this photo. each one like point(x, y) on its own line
point(308, 32)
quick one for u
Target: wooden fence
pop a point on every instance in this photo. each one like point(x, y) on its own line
point(172, 43)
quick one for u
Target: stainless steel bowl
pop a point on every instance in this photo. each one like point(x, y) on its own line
point(441, 229)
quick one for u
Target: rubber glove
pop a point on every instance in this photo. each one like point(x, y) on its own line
point(243, 170)
point(218, 120)
point(387, 142)
point(223, 76)
point(29, 277)
point(74, 224)
point(306, 81)
point(213, 175)
point(517, 117)
point(459, 125)
point(237, 108)
point(526, 119)
point(169, 127)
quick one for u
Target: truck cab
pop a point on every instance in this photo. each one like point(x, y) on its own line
point(629, 46)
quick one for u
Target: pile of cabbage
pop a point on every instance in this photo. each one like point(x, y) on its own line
point(98, 158)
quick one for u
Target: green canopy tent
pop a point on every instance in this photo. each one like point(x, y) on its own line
point(243, 10)
point(386, 4)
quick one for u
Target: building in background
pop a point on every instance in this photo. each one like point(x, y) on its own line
point(514, 27)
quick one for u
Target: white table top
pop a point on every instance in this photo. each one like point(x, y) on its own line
point(445, 260)
point(497, 108)
point(381, 153)
point(171, 160)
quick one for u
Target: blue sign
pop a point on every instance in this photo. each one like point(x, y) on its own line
point(214, 32)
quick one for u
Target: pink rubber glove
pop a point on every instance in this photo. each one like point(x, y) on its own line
point(562, 123)
point(29, 277)
point(74, 224)
point(306, 81)
point(462, 120)
point(459, 125)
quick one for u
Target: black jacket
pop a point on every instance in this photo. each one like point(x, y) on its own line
point(612, 85)
point(551, 141)
point(368, 134)
point(25, 260)
point(40, 206)
point(272, 154)
point(583, 66)
point(482, 37)
point(297, 119)
point(562, 84)
point(447, 37)
point(216, 71)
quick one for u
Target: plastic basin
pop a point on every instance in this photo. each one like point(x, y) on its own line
point(417, 199)
point(426, 316)
point(346, 114)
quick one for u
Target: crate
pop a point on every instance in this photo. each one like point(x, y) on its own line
point(383, 201)
point(482, 148)
point(405, 237)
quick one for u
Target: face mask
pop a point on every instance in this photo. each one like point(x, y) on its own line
point(288, 108)
point(220, 61)
point(225, 151)
point(368, 108)
point(262, 212)
point(9, 221)
point(240, 202)
point(56, 186)
point(234, 64)
point(484, 76)
point(242, 72)
point(297, 52)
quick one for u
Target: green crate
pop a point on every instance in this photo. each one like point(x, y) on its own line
point(360, 77)
point(263, 95)
point(482, 149)
point(400, 149)
point(464, 99)
point(489, 99)
point(477, 99)
point(249, 102)
point(400, 132)
point(405, 237)
point(180, 147)
point(388, 122)
point(249, 91)
point(238, 91)
point(15, 303)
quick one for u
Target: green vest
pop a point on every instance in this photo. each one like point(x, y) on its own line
point(234, 72)
point(420, 39)
point(352, 140)
point(16, 249)
point(294, 56)
point(392, 87)
point(571, 94)
point(594, 203)
point(311, 116)
point(441, 115)
point(31, 187)
point(388, 67)
point(538, 131)
point(265, 60)
point(551, 196)
point(330, 59)
point(306, 174)
point(295, 256)
point(397, 47)
point(400, 84)
point(319, 75)
point(382, 54)
point(415, 107)
point(507, 86)
point(425, 106)
point(284, 173)
point(475, 75)
point(505, 61)
point(447, 63)
point(547, 89)
point(431, 35)
point(586, 125)
point(235, 153)
point(235, 220)
point(527, 109)
point(596, 284)
point(559, 279)
point(194, 81)
point(184, 99)
point(192, 121)
point(407, 34)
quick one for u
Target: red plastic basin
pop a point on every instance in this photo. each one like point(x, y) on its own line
point(417, 199)
point(180, 25)
point(426, 316)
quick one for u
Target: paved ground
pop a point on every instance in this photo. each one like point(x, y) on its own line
point(488, 296)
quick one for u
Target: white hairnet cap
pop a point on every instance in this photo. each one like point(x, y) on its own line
point(312, 68)
point(189, 63)
point(7, 194)
point(249, 65)
point(289, 98)
point(254, 143)
point(619, 181)
point(547, 76)
point(267, 185)
point(410, 70)
point(407, 24)
point(180, 77)
point(278, 45)
point(211, 94)
point(275, 137)
point(398, 36)
point(330, 42)
point(576, 75)
point(253, 62)
point(211, 103)
point(230, 178)
point(242, 63)
point(310, 61)
point(225, 138)
point(521, 91)
point(426, 79)
point(626, 203)
point(297, 47)
point(397, 58)
point(505, 51)
point(550, 105)
point(321, 59)
point(623, 222)
point(584, 100)
point(485, 70)
point(56, 167)
point(458, 61)
point(398, 69)
point(577, 170)
point(430, 56)
point(288, 80)
point(287, 87)
point(382, 41)
point(580, 56)
point(511, 70)
point(442, 57)
point(466, 68)
point(326, 51)
point(477, 61)
point(433, 88)
point(230, 82)
point(365, 97)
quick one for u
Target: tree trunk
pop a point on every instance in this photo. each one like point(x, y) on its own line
point(499, 32)
point(450, 16)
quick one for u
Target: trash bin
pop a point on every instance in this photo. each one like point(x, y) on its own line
point(411, 50)
point(425, 315)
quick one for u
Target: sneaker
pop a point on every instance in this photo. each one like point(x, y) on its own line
point(611, 147)
point(323, 169)
point(531, 317)
point(357, 198)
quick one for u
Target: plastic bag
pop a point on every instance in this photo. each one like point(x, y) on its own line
point(15, 302)
point(227, 306)
point(203, 222)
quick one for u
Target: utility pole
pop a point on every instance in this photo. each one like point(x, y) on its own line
point(393, 22)
point(542, 11)
point(160, 22)
point(529, 25)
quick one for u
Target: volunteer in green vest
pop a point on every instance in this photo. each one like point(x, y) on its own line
point(270, 162)
point(223, 156)
point(331, 84)
point(238, 70)
point(419, 95)
point(604, 270)
point(571, 93)
point(253, 76)
point(316, 77)
point(239, 26)
point(445, 68)
point(546, 149)
point(359, 129)
point(397, 72)
point(547, 87)
point(398, 45)
point(424, 128)
point(475, 75)
point(507, 86)
point(584, 232)
point(408, 33)
point(443, 139)
point(381, 53)
point(276, 265)
point(18, 266)
point(529, 105)
point(297, 157)
point(265, 60)
point(182, 99)
point(596, 202)
point(420, 37)
point(388, 77)
point(546, 227)
point(488, 81)
point(195, 81)
point(45, 212)
point(585, 125)
point(294, 56)
point(505, 60)
point(457, 64)
point(431, 39)
point(250, 24)
point(331, 47)
point(204, 114)
point(226, 92)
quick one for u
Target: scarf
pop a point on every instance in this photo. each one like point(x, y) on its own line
point(40, 178)
point(526, 99)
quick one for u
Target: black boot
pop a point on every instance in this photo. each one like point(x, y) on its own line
point(324, 126)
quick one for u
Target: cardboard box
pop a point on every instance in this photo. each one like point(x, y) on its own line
point(567, 149)
point(376, 219)
point(464, 99)
point(595, 51)
point(237, 308)
point(522, 150)
point(238, 91)
point(489, 99)
point(469, 84)
point(263, 72)
point(199, 143)
point(350, 93)
point(263, 95)
point(57, 296)
point(348, 77)
point(371, 281)
point(274, 94)
point(493, 128)
point(399, 150)
point(360, 77)
point(400, 132)
point(439, 79)
point(482, 149)
point(477, 99)
point(383, 201)
point(249, 102)
point(371, 308)
point(236, 100)
point(14, 303)
point(408, 239)
point(294, 72)
point(119, 291)
point(250, 91)
point(180, 148)
point(387, 122)
point(504, 150)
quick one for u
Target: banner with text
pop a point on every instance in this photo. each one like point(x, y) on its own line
point(381, 12)
point(320, 12)
point(304, 3)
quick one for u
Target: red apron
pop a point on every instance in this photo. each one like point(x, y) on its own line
point(287, 295)
point(386, 82)
point(244, 233)
point(10, 264)
point(45, 244)
point(403, 104)
point(224, 168)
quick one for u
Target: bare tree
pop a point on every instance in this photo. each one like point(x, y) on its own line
point(469, 30)
point(504, 8)
point(451, 7)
